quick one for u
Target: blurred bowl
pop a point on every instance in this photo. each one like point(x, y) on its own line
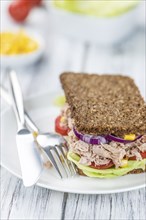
point(19, 60)
point(109, 30)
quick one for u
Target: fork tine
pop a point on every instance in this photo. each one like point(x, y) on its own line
point(53, 162)
point(58, 156)
point(69, 162)
point(73, 167)
point(59, 147)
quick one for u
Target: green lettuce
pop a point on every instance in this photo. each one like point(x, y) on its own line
point(99, 8)
point(59, 101)
point(106, 173)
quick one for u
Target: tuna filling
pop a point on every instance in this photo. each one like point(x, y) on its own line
point(104, 153)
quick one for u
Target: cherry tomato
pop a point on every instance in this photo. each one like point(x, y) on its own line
point(143, 155)
point(102, 167)
point(32, 3)
point(19, 10)
point(60, 129)
point(38, 2)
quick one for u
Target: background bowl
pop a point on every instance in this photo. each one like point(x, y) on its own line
point(21, 60)
point(90, 28)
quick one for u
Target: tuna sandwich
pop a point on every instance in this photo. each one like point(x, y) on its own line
point(104, 123)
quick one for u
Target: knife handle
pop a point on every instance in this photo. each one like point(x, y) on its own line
point(16, 98)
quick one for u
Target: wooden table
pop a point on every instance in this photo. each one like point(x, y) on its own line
point(64, 54)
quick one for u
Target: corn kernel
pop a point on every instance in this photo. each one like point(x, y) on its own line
point(13, 43)
point(129, 137)
point(62, 119)
point(124, 163)
point(35, 134)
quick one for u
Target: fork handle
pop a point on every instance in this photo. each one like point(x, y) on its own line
point(28, 121)
point(17, 98)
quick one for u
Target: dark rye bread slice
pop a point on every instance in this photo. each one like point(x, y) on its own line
point(104, 104)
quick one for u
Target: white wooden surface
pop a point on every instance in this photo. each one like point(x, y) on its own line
point(18, 202)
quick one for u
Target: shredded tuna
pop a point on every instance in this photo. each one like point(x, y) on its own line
point(134, 152)
point(143, 139)
point(85, 161)
point(66, 114)
point(66, 111)
point(101, 161)
point(142, 147)
point(104, 153)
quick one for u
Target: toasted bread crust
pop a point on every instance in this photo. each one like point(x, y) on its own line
point(105, 104)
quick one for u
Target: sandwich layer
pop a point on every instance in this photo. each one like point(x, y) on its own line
point(119, 157)
point(100, 155)
point(132, 167)
point(136, 171)
point(104, 104)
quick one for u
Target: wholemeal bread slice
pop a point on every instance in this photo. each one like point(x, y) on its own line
point(104, 104)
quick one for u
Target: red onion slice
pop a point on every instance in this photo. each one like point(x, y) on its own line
point(90, 139)
point(110, 137)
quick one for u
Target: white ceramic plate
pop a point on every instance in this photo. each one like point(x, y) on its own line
point(43, 113)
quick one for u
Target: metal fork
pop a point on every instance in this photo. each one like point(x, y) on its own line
point(58, 156)
point(57, 153)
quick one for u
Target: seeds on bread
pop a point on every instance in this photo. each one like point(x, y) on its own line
point(104, 104)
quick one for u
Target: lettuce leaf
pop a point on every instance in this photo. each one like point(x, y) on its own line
point(106, 173)
point(102, 8)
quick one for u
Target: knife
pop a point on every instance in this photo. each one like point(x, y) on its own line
point(29, 156)
point(30, 124)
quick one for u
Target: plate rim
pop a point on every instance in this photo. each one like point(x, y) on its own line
point(77, 191)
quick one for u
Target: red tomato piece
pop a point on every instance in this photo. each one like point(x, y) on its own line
point(143, 155)
point(132, 158)
point(19, 10)
point(102, 167)
point(60, 129)
point(32, 3)
point(38, 2)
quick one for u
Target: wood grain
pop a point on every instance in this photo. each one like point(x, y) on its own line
point(18, 202)
point(62, 54)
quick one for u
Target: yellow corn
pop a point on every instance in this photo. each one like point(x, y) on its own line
point(35, 134)
point(62, 119)
point(13, 43)
point(124, 163)
point(59, 101)
point(129, 137)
